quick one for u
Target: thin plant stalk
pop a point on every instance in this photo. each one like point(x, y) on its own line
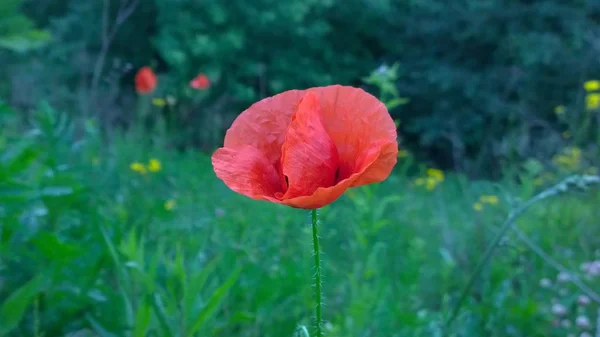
point(318, 294)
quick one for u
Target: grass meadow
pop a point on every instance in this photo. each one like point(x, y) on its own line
point(133, 238)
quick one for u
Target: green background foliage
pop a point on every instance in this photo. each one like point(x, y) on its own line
point(93, 246)
point(483, 78)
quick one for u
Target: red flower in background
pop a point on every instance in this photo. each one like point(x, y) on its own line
point(304, 148)
point(145, 80)
point(200, 82)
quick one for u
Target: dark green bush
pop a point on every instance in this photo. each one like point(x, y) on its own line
point(483, 78)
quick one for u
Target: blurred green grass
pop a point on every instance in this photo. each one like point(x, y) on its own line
point(90, 247)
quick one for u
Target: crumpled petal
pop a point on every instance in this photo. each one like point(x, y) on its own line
point(326, 195)
point(358, 123)
point(247, 171)
point(309, 157)
point(264, 124)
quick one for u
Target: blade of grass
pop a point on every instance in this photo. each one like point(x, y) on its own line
point(213, 303)
point(160, 312)
point(98, 328)
point(142, 319)
point(13, 309)
point(122, 276)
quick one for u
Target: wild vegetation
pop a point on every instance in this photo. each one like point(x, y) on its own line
point(113, 222)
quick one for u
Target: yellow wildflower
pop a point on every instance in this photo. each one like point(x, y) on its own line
point(591, 85)
point(592, 101)
point(154, 165)
point(560, 110)
point(437, 175)
point(569, 159)
point(159, 102)
point(575, 152)
point(402, 154)
point(430, 183)
point(170, 205)
point(478, 206)
point(489, 199)
point(138, 167)
point(562, 160)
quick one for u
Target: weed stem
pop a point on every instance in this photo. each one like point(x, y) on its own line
point(317, 253)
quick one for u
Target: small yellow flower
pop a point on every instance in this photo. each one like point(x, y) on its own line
point(562, 160)
point(159, 102)
point(402, 154)
point(478, 206)
point(437, 175)
point(170, 205)
point(566, 135)
point(489, 199)
point(569, 158)
point(154, 165)
point(591, 85)
point(592, 101)
point(138, 167)
point(430, 183)
point(560, 110)
point(575, 152)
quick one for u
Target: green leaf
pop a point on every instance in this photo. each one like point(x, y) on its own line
point(16, 304)
point(24, 41)
point(98, 328)
point(213, 303)
point(17, 159)
point(160, 312)
point(396, 102)
point(52, 248)
point(124, 276)
point(56, 191)
point(142, 320)
point(15, 192)
point(196, 282)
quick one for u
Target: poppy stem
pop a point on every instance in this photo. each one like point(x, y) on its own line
point(317, 253)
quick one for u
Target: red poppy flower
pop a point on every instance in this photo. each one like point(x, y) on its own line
point(200, 82)
point(304, 148)
point(145, 80)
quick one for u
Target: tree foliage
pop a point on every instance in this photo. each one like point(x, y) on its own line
point(482, 77)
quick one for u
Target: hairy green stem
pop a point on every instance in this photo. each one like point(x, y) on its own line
point(317, 253)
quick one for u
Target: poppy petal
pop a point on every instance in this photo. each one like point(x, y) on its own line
point(309, 157)
point(264, 124)
point(357, 122)
point(326, 195)
point(380, 167)
point(247, 171)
